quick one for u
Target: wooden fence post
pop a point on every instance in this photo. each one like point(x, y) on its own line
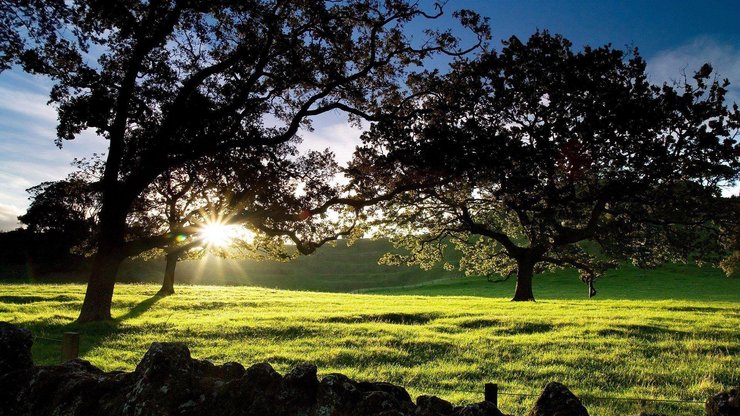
point(491, 393)
point(70, 346)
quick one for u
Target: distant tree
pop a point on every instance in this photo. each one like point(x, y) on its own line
point(252, 196)
point(59, 224)
point(729, 234)
point(171, 203)
point(171, 82)
point(533, 151)
point(66, 207)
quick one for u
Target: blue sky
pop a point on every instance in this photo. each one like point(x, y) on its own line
point(672, 35)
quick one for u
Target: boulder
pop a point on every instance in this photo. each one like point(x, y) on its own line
point(432, 406)
point(260, 388)
point(299, 387)
point(75, 388)
point(378, 402)
point(169, 382)
point(478, 409)
point(15, 348)
point(557, 400)
point(255, 393)
point(230, 371)
point(398, 392)
point(163, 360)
point(162, 382)
point(337, 395)
point(726, 403)
point(394, 397)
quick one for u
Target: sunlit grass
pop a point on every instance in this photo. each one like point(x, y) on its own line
point(444, 345)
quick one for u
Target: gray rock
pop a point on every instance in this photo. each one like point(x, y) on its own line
point(337, 395)
point(478, 409)
point(299, 387)
point(74, 388)
point(378, 402)
point(557, 400)
point(231, 371)
point(163, 359)
point(163, 381)
point(432, 406)
point(726, 403)
point(15, 348)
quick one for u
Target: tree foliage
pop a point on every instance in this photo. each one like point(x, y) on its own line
point(170, 82)
point(250, 195)
point(66, 207)
point(523, 156)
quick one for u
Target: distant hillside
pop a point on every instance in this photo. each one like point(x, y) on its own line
point(331, 269)
point(356, 268)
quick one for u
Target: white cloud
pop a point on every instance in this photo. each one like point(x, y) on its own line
point(9, 217)
point(28, 104)
point(336, 135)
point(28, 155)
point(26, 82)
point(671, 64)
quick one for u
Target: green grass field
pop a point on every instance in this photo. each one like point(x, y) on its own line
point(670, 333)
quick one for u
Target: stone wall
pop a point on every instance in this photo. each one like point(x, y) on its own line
point(168, 381)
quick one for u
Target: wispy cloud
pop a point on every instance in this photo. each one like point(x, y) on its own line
point(671, 64)
point(27, 104)
point(334, 133)
point(8, 217)
point(28, 155)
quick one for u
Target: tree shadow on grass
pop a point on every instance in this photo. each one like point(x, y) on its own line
point(25, 299)
point(398, 318)
point(48, 336)
point(140, 308)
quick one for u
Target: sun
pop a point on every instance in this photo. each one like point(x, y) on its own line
point(220, 235)
point(217, 234)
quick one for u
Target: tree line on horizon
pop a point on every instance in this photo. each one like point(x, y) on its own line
point(514, 157)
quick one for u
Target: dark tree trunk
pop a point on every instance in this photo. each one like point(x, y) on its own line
point(168, 283)
point(110, 254)
point(115, 203)
point(525, 271)
point(99, 294)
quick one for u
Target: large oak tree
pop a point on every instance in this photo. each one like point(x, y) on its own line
point(528, 154)
point(167, 82)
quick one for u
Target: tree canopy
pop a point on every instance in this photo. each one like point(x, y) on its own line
point(168, 82)
point(244, 200)
point(521, 157)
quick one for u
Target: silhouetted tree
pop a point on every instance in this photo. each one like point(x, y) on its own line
point(538, 148)
point(27, 23)
point(257, 194)
point(59, 223)
point(171, 217)
point(169, 82)
point(66, 207)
